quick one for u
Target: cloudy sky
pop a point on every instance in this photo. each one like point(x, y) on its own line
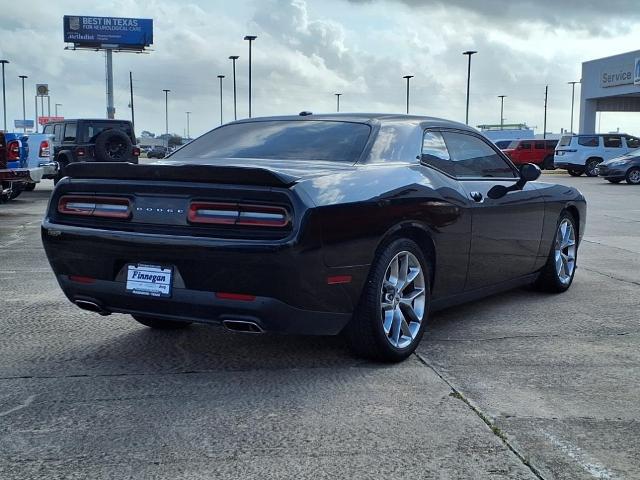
point(309, 49)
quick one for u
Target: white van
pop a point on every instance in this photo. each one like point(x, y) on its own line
point(580, 154)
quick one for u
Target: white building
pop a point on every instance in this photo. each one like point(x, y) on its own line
point(610, 84)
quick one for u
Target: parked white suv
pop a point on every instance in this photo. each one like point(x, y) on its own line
point(580, 154)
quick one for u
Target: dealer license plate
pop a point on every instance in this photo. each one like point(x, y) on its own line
point(149, 280)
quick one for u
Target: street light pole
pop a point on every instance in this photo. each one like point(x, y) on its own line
point(220, 77)
point(24, 110)
point(188, 134)
point(250, 38)
point(408, 77)
point(468, 53)
point(338, 101)
point(501, 97)
point(546, 96)
point(166, 112)
point(235, 109)
point(4, 96)
point(56, 108)
point(573, 90)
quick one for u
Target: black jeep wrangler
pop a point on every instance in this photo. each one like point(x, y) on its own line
point(92, 140)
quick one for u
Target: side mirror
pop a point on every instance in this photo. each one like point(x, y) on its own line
point(529, 173)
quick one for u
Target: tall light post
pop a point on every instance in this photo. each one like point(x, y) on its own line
point(220, 77)
point(408, 77)
point(24, 110)
point(166, 112)
point(338, 101)
point(573, 91)
point(4, 96)
point(468, 53)
point(188, 134)
point(546, 98)
point(250, 38)
point(56, 108)
point(235, 109)
point(501, 97)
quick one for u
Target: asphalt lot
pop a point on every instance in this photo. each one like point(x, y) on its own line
point(521, 385)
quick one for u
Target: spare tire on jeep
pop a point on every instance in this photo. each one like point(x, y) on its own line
point(113, 146)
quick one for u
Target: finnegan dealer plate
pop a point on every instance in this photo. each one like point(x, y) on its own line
point(149, 280)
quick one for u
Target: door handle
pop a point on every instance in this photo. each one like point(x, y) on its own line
point(476, 196)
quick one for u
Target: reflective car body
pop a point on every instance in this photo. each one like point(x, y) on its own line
point(616, 168)
point(299, 261)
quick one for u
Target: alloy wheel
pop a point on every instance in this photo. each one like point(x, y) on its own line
point(634, 176)
point(402, 299)
point(565, 251)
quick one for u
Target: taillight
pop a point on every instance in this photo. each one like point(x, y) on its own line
point(238, 214)
point(91, 206)
point(136, 152)
point(44, 149)
point(81, 151)
point(13, 150)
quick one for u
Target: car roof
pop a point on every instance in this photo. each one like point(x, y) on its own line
point(366, 118)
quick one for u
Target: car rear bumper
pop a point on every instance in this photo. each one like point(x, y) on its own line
point(28, 175)
point(270, 314)
point(290, 281)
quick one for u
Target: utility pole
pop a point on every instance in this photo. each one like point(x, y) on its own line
point(4, 95)
point(408, 77)
point(468, 53)
point(133, 115)
point(501, 97)
point(546, 96)
point(24, 110)
point(250, 38)
point(573, 90)
point(166, 112)
point(220, 77)
point(338, 100)
point(188, 134)
point(235, 109)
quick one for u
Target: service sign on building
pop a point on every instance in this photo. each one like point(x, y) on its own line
point(636, 76)
point(97, 31)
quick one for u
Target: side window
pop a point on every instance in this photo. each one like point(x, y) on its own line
point(525, 145)
point(551, 144)
point(70, 132)
point(612, 141)
point(588, 141)
point(633, 142)
point(48, 129)
point(435, 153)
point(57, 132)
point(539, 145)
point(473, 157)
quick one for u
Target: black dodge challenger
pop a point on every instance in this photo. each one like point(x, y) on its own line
point(312, 224)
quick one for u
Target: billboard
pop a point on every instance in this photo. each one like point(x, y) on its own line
point(45, 120)
point(23, 124)
point(116, 32)
point(636, 77)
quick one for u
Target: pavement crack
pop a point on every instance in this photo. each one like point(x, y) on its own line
point(613, 277)
point(516, 337)
point(485, 418)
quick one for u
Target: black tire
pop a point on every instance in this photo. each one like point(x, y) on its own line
point(547, 163)
point(574, 173)
point(113, 146)
point(614, 180)
point(548, 280)
point(590, 167)
point(633, 176)
point(160, 324)
point(29, 187)
point(365, 333)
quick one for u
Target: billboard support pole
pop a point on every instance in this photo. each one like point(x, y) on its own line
point(133, 115)
point(111, 111)
point(35, 122)
point(48, 106)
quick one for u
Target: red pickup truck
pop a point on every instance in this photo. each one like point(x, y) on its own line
point(539, 152)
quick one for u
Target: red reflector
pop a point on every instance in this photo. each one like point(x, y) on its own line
point(337, 279)
point(235, 296)
point(81, 279)
point(136, 152)
point(88, 205)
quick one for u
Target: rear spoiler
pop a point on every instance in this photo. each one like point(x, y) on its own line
point(183, 173)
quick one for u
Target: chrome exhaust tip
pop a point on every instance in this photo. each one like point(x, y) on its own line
point(92, 307)
point(242, 326)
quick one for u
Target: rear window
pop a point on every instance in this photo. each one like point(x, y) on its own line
point(633, 142)
point(588, 141)
point(565, 141)
point(281, 139)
